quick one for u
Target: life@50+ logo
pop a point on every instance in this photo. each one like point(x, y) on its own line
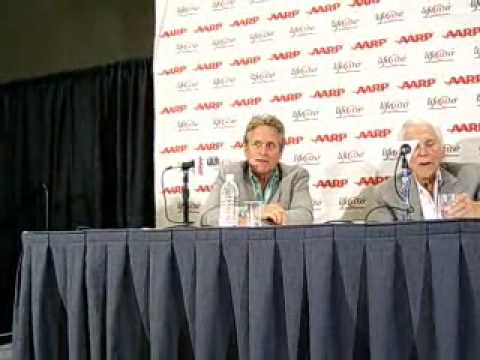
point(187, 125)
point(349, 111)
point(303, 71)
point(386, 17)
point(394, 106)
point(219, 5)
point(442, 102)
point(224, 123)
point(187, 10)
point(349, 66)
point(351, 203)
point(223, 82)
point(305, 115)
point(344, 24)
point(350, 156)
point(308, 158)
point(392, 60)
point(441, 55)
point(437, 10)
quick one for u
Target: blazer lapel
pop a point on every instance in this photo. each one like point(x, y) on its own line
point(415, 201)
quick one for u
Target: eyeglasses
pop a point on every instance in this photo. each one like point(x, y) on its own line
point(258, 145)
point(427, 145)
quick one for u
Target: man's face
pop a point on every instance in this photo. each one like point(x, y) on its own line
point(428, 154)
point(263, 150)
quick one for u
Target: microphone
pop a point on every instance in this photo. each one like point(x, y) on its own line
point(187, 164)
point(405, 149)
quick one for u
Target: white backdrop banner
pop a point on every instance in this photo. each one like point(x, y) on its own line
point(343, 76)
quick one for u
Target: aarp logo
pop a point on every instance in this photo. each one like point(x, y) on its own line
point(374, 134)
point(370, 44)
point(364, 2)
point(284, 15)
point(462, 33)
point(330, 138)
point(371, 180)
point(464, 80)
point(331, 183)
point(465, 128)
point(245, 21)
point(326, 50)
point(215, 146)
point(322, 9)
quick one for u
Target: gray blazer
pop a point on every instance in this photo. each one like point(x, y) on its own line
point(386, 199)
point(293, 193)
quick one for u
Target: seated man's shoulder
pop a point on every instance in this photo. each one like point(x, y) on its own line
point(293, 170)
point(233, 167)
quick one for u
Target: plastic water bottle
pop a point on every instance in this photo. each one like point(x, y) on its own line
point(228, 203)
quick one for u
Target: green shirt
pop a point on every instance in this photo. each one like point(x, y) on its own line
point(272, 186)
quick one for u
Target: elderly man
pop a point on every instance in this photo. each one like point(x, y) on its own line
point(283, 189)
point(429, 180)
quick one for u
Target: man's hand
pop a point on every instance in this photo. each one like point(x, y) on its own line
point(462, 207)
point(275, 213)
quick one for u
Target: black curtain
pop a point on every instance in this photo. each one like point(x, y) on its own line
point(82, 140)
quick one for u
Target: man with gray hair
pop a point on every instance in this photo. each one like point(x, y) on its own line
point(429, 180)
point(284, 189)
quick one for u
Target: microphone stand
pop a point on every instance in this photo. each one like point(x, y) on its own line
point(405, 189)
point(185, 198)
point(405, 178)
point(45, 192)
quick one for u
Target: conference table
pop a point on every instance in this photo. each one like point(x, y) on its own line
point(331, 291)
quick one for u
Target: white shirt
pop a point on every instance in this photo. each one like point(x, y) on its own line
point(429, 204)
